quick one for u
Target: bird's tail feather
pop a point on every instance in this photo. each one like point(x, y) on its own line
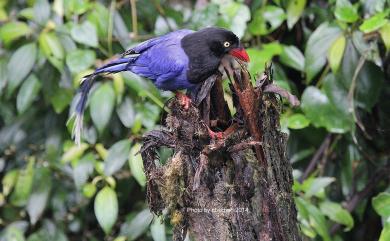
point(114, 66)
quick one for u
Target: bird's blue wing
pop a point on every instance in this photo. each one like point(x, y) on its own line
point(164, 62)
point(157, 40)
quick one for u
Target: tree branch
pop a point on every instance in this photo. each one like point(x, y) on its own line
point(316, 157)
point(380, 175)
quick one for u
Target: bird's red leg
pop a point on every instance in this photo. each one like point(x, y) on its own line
point(215, 135)
point(185, 101)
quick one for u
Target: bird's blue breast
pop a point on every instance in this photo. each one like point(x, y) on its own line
point(164, 61)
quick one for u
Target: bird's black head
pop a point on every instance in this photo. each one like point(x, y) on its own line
point(206, 48)
point(219, 41)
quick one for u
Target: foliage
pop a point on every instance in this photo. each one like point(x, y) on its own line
point(333, 54)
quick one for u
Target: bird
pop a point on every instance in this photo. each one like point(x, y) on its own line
point(179, 60)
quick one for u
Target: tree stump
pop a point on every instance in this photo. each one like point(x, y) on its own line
point(235, 188)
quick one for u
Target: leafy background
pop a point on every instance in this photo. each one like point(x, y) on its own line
point(333, 54)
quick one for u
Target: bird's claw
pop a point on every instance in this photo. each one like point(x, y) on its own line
point(215, 135)
point(185, 101)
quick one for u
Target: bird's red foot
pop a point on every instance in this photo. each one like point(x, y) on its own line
point(215, 135)
point(185, 101)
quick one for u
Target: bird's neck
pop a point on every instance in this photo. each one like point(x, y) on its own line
point(203, 62)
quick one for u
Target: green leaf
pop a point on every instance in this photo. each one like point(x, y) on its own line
point(162, 27)
point(3, 14)
point(61, 99)
point(80, 59)
point(297, 121)
point(67, 43)
point(385, 34)
point(375, 22)
point(40, 194)
point(51, 46)
point(318, 222)
point(260, 57)
point(313, 186)
point(337, 213)
point(85, 33)
point(27, 13)
point(89, 190)
point(385, 234)
point(368, 88)
point(117, 156)
point(207, 16)
point(106, 208)
point(345, 12)
point(102, 105)
point(381, 204)
point(266, 20)
point(120, 238)
point(307, 229)
point(99, 16)
point(13, 234)
point(319, 110)
point(20, 65)
point(14, 30)
point(74, 152)
point(303, 218)
point(337, 95)
point(119, 87)
point(351, 154)
point(157, 229)
point(137, 226)
point(293, 57)
point(58, 7)
point(9, 181)
point(315, 217)
point(135, 82)
point(126, 112)
point(372, 6)
point(120, 30)
point(27, 93)
point(3, 74)
point(136, 165)
point(41, 11)
point(48, 232)
point(294, 11)
point(52, 49)
point(21, 193)
point(235, 16)
point(82, 169)
point(76, 7)
point(301, 155)
point(336, 52)
point(149, 114)
point(317, 46)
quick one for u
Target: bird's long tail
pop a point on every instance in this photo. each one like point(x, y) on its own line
point(114, 66)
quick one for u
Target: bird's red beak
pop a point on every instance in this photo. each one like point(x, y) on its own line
point(240, 54)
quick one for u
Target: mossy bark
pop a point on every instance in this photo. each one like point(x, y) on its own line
point(238, 188)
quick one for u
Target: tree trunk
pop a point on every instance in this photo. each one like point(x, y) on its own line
point(237, 188)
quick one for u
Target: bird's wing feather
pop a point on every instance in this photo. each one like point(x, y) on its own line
point(151, 42)
point(165, 64)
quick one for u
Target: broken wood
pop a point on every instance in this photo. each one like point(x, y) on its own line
point(238, 188)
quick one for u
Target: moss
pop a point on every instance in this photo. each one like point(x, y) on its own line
point(171, 182)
